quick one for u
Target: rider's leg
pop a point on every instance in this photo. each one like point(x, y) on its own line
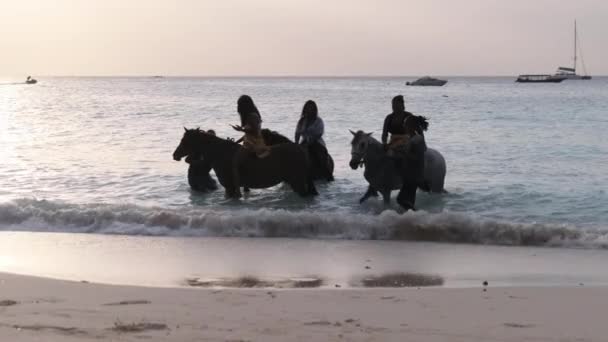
point(407, 195)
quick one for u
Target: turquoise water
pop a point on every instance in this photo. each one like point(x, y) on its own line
point(527, 163)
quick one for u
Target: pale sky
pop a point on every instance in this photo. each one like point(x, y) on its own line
point(298, 37)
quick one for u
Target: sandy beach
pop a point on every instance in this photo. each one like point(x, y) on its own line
point(40, 309)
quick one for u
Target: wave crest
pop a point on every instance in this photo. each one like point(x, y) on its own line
point(42, 215)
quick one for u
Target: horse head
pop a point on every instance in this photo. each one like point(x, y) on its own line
point(190, 141)
point(359, 146)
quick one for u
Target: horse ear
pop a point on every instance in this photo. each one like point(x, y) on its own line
point(185, 129)
point(351, 132)
point(369, 134)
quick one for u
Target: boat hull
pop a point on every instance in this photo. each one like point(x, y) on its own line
point(574, 77)
point(539, 79)
point(437, 83)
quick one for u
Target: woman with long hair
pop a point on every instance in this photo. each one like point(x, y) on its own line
point(309, 132)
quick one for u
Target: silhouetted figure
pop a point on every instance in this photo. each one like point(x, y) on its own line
point(412, 163)
point(310, 127)
point(310, 130)
point(394, 124)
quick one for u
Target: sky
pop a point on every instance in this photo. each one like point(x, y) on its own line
point(298, 37)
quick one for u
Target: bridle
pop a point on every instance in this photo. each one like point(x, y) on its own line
point(359, 155)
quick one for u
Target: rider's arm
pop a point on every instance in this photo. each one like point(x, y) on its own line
point(298, 131)
point(387, 122)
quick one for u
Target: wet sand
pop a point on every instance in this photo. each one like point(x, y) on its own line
point(182, 261)
point(39, 309)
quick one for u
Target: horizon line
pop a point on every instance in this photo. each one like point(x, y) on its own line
point(270, 76)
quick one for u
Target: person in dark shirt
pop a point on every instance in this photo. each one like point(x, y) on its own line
point(394, 124)
point(412, 165)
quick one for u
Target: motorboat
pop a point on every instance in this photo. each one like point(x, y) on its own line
point(427, 81)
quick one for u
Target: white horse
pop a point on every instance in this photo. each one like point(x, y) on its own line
point(381, 172)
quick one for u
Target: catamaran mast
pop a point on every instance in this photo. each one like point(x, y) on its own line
point(574, 47)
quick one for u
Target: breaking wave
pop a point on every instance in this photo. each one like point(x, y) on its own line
point(54, 216)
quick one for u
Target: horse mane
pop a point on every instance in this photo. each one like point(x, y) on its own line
point(198, 131)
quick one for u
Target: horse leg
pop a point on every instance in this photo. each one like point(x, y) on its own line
point(312, 190)
point(425, 186)
point(239, 159)
point(407, 196)
point(330, 168)
point(386, 196)
point(299, 188)
point(369, 193)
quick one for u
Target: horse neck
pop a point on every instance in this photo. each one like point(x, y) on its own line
point(375, 151)
point(215, 147)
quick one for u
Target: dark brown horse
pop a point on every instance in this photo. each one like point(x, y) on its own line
point(286, 163)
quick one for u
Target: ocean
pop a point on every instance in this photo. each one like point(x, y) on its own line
point(527, 163)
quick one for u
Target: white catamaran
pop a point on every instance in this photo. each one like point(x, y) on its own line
point(570, 73)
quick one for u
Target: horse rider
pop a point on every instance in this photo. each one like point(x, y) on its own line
point(412, 167)
point(394, 124)
point(309, 132)
point(251, 125)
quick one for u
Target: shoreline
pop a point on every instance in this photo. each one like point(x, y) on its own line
point(34, 309)
point(176, 262)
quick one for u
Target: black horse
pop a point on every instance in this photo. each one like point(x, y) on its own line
point(322, 164)
point(287, 163)
point(199, 178)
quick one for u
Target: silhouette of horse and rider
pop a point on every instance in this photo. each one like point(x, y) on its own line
point(267, 158)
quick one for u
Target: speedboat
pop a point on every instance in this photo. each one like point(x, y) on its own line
point(427, 81)
point(30, 80)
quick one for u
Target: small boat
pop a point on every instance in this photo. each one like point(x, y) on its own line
point(427, 81)
point(30, 80)
point(570, 73)
point(539, 79)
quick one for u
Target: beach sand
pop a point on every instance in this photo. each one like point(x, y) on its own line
point(40, 309)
